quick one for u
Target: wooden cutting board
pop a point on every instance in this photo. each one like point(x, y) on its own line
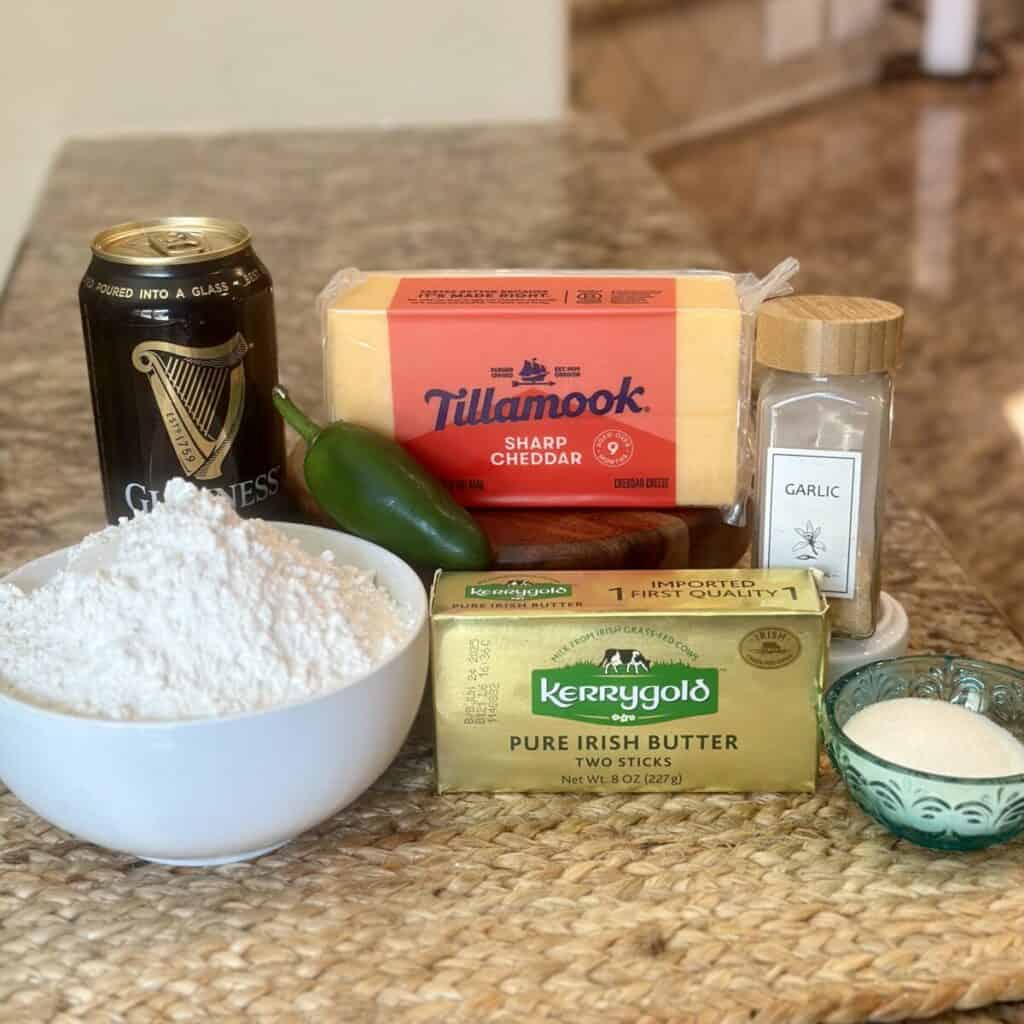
point(537, 539)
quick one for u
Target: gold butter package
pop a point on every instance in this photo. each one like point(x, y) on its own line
point(701, 680)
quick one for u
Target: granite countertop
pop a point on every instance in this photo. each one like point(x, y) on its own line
point(551, 196)
point(910, 192)
point(316, 202)
point(570, 195)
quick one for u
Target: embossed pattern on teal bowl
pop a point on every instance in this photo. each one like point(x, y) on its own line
point(942, 812)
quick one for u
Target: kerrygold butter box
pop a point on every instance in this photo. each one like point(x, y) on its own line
point(628, 681)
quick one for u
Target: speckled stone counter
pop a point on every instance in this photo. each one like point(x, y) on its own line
point(911, 192)
point(517, 196)
point(553, 196)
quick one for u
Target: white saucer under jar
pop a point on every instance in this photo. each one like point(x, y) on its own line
point(888, 641)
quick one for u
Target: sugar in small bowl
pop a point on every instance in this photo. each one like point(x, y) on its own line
point(931, 747)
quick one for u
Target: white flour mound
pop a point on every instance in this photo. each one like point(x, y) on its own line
point(198, 613)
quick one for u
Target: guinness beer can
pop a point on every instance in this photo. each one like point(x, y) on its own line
point(178, 317)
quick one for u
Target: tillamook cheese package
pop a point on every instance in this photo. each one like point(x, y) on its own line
point(628, 681)
point(553, 388)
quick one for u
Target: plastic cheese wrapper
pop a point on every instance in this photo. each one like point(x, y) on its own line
point(554, 388)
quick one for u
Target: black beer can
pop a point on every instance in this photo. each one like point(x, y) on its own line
point(178, 318)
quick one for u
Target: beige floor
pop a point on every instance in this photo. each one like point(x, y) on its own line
point(912, 192)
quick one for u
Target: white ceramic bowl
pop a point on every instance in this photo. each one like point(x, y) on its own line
point(210, 791)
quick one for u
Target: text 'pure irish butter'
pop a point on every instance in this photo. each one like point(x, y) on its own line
point(627, 681)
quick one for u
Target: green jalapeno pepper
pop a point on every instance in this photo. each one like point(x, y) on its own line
point(372, 487)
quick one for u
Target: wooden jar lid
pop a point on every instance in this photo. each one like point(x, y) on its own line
point(830, 334)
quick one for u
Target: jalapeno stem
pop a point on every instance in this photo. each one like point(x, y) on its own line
point(293, 416)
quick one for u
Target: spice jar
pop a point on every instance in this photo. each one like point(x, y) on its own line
point(824, 427)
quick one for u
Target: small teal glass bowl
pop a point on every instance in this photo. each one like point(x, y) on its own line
point(941, 812)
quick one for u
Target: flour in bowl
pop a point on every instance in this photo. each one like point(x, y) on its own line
point(189, 611)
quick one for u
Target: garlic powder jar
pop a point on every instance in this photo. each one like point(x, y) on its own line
point(824, 428)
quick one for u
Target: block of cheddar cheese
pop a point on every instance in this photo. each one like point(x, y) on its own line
point(555, 389)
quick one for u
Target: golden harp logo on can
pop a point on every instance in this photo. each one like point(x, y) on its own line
point(200, 393)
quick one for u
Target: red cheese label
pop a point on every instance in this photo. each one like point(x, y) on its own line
point(522, 390)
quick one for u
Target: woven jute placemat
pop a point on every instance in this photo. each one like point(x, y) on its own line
point(411, 907)
point(414, 908)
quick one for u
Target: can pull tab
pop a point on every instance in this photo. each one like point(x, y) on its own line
point(175, 243)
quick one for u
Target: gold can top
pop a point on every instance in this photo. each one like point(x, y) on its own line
point(830, 334)
point(169, 241)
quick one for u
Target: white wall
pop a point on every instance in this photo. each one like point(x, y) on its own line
point(107, 67)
